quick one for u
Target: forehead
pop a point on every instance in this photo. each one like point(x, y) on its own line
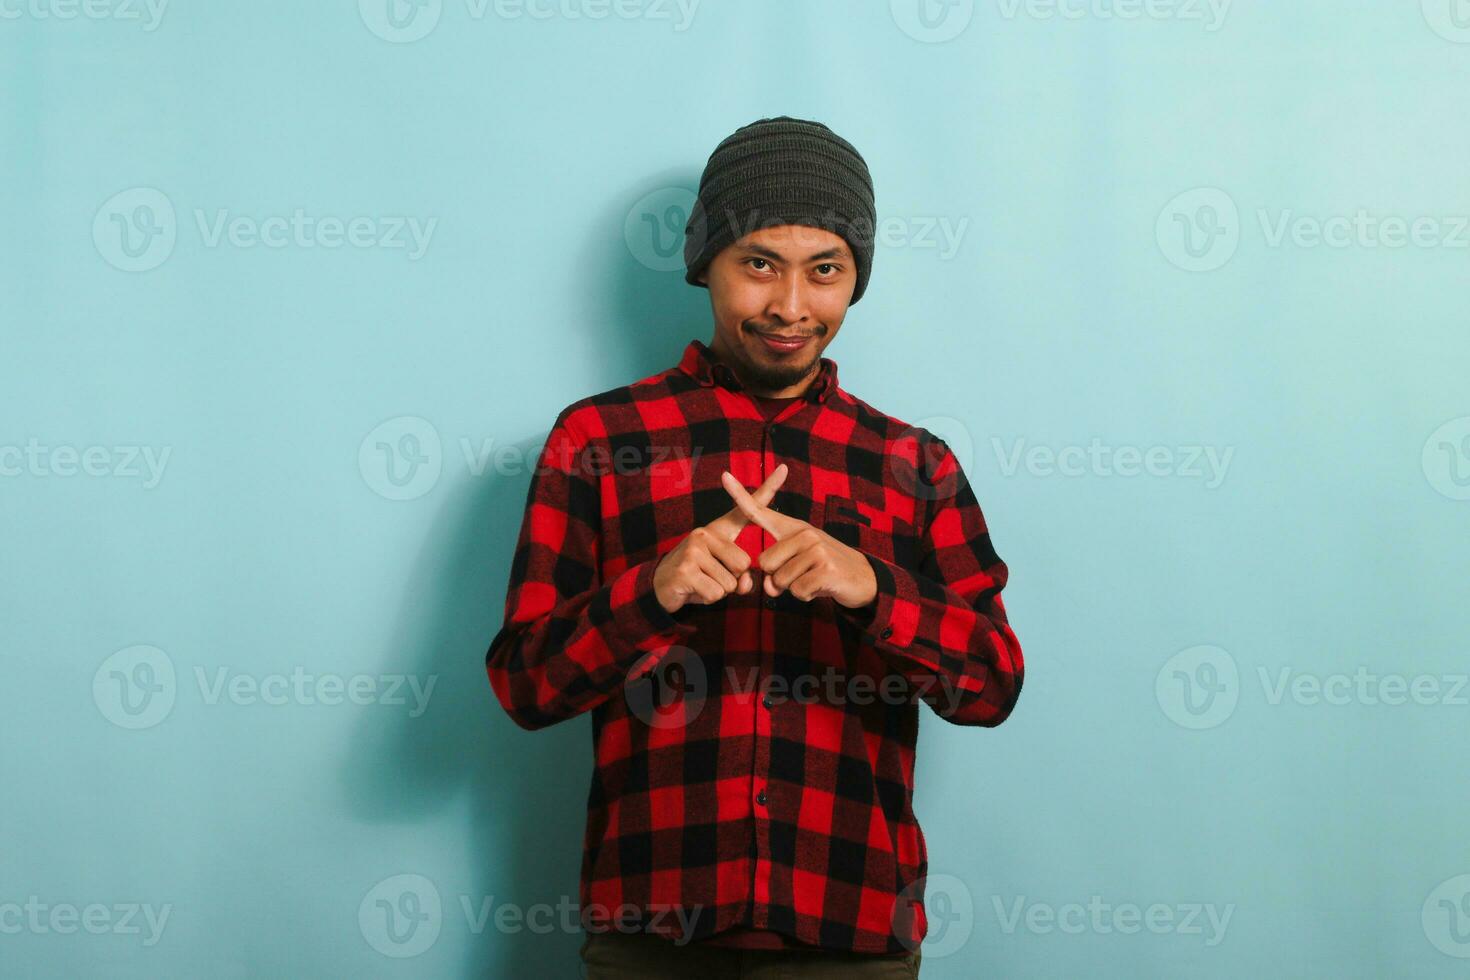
point(793, 242)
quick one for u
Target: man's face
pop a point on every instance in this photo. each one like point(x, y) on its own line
point(788, 281)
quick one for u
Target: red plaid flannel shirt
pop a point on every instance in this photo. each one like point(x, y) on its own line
point(754, 756)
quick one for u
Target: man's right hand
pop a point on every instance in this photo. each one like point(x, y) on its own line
point(708, 565)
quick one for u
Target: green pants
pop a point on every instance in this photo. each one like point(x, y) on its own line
point(614, 955)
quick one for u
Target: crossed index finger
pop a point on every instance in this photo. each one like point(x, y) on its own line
point(776, 524)
point(731, 522)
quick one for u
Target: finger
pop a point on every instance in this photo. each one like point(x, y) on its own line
point(732, 521)
point(777, 525)
point(792, 570)
point(729, 554)
point(704, 590)
point(782, 551)
point(811, 584)
point(766, 492)
point(717, 572)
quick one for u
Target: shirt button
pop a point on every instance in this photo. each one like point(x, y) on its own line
point(767, 702)
point(761, 797)
point(887, 632)
point(770, 602)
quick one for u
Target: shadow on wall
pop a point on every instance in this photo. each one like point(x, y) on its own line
point(527, 791)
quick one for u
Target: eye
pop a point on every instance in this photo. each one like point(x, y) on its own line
point(829, 265)
point(756, 259)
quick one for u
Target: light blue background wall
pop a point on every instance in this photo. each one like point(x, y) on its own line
point(1154, 759)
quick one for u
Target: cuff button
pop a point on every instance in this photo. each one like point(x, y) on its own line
point(887, 632)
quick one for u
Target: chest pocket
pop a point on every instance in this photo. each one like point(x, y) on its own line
point(860, 525)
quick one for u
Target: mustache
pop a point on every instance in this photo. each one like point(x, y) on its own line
point(757, 328)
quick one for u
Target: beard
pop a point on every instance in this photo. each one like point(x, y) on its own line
point(774, 375)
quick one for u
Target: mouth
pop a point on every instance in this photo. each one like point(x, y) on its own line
point(784, 344)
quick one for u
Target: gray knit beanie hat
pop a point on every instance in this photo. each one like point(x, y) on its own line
point(782, 171)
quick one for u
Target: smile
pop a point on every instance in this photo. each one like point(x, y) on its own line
point(784, 347)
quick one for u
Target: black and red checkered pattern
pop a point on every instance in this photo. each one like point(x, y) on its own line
point(754, 756)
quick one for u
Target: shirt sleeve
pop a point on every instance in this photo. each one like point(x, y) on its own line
point(570, 639)
point(943, 625)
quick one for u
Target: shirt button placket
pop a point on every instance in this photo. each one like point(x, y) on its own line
point(762, 753)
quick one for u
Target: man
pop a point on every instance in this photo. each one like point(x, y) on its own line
point(753, 660)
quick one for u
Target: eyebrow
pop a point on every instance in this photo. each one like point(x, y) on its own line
point(837, 252)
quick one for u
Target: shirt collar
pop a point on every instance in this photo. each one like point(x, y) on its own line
point(701, 363)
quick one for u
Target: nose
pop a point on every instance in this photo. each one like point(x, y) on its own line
point(788, 304)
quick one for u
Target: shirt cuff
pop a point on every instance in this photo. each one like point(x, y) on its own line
point(891, 620)
point(637, 613)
